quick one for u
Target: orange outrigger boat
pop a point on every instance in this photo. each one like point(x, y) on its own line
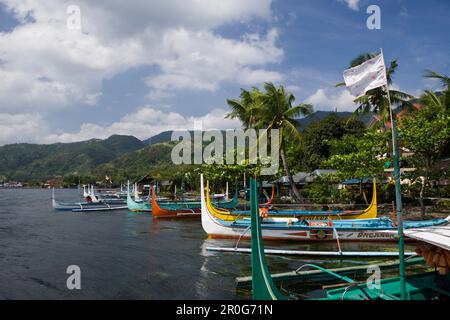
point(158, 212)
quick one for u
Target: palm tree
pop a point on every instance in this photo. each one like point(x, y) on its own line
point(244, 108)
point(276, 111)
point(445, 80)
point(431, 99)
point(376, 100)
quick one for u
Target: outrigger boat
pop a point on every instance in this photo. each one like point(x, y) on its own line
point(137, 206)
point(172, 212)
point(219, 225)
point(370, 212)
point(94, 205)
point(425, 286)
point(146, 206)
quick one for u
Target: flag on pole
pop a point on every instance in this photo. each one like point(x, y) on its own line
point(367, 76)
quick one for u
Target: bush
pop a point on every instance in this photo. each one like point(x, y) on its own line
point(443, 205)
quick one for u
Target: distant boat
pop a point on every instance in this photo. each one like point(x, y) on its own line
point(146, 206)
point(89, 206)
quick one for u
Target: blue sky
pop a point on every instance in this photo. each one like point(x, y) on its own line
point(147, 66)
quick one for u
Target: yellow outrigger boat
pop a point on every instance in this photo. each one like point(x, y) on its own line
point(269, 211)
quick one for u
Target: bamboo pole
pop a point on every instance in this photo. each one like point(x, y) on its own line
point(398, 196)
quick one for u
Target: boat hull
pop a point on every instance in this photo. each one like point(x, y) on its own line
point(370, 212)
point(366, 230)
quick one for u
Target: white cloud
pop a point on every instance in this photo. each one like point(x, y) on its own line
point(144, 123)
point(20, 127)
point(203, 60)
point(330, 101)
point(352, 4)
point(46, 65)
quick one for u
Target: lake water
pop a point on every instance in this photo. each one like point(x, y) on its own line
point(122, 255)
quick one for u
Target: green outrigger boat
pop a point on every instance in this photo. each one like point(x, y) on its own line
point(146, 205)
point(424, 286)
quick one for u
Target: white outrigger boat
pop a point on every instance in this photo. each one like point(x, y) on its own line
point(93, 204)
point(294, 229)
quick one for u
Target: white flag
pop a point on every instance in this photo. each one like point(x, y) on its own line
point(367, 76)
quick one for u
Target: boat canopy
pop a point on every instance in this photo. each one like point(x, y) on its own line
point(438, 236)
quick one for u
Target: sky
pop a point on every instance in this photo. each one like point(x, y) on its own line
point(141, 67)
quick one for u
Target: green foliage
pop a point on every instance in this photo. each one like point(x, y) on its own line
point(322, 190)
point(356, 157)
point(427, 131)
point(154, 161)
point(245, 109)
point(443, 205)
point(40, 162)
point(317, 137)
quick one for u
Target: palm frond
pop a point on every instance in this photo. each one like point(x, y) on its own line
point(362, 58)
point(291, 129)
point(444, 79)
point(300, 110)
point(430, 98)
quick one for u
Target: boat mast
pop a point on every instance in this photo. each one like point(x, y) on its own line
point(398, 195)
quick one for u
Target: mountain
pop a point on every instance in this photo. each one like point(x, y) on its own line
point(322, 115)
point(159, 138)
point(302, 124)
point(40, 162)
point(154, 160)
point(118, 156)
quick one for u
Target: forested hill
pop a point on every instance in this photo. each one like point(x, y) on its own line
point(119, 156)
point(303, 123)
point(154, 160)
point(25, 162)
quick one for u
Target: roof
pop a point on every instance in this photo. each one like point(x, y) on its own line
point(438, 236)
point(400, 113)
point(320, 172)
point(299, 178)
point(358, 181)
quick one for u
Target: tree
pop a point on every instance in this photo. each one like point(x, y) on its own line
point(359, 157)
point(427, 133)
point(317, 136)
point(444, 79)
point(244, 108)
point(276, 111)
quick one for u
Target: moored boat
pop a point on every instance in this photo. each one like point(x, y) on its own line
point(137, 206)
point(91, 206)
point(146, 205)
point(294, 229)
point(371, 212)
point(170, 211)
point(423, 286)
